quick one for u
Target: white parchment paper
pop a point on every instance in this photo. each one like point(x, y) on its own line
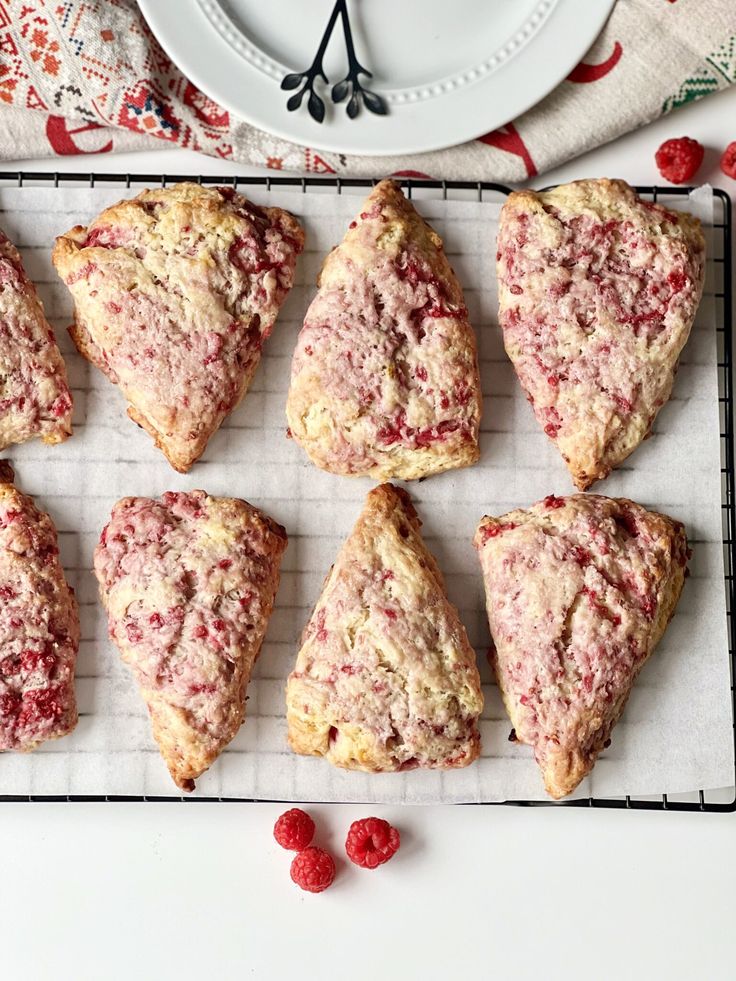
point(676, 733)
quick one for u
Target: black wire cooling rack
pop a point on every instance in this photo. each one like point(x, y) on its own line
point(721, 256)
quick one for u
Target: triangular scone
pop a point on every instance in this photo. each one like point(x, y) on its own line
point(189, 582)
point(175, 292)
point(385, 678)
point(34, 394)
point(384, 379)
point(39, 626)
point(598, 291)
point(579, 591)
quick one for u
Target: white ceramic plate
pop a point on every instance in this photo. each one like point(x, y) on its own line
point(447, 71)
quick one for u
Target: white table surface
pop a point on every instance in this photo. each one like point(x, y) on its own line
point(95, 892)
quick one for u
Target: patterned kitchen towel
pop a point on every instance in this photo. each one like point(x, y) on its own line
point(87, 76)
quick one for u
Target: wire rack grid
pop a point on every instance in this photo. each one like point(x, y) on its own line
point(721, 257)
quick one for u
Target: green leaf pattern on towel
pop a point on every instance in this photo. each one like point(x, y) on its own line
point(715, 72)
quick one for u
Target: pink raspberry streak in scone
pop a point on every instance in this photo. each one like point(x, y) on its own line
point(598, 291)
point(189, 582)
point(34, 394)
point(384, 377)
point(579, 591)
point(175, 293)
point(385, 679)
point(39, 627)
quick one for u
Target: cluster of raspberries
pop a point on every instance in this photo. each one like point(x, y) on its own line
point(679, 160)
point(370, 842)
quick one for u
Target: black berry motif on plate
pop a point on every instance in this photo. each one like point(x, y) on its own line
point(349, 86)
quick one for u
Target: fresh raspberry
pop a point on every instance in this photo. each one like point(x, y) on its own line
point(728, 160)
point(313, 869)
point(294, 830)
point(678, 160)
point(371, 842)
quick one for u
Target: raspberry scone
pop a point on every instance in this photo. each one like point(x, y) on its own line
point(189, 582)
point(579, 591)
point(598, 291)
point(39, 626)
point(385, 678)
point(175, 292)
point(384, 379)
point(34, 394)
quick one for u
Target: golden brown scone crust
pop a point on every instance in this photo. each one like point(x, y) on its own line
point(175, 291)
point(39, 626)
point(385, 678)
point(385, 377)
point(189, 582)
point(598, 292)
point(35, 400)
point(579, 592)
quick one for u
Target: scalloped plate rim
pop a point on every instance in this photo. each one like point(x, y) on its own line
point(418, 123)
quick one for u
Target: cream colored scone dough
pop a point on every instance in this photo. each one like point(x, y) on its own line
point(34, 393)
point(385, 678)
point(579, 591)
point(175, 292)
point(189, 582)
point(39, 626)
point(598, 291)
point(384, 379)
